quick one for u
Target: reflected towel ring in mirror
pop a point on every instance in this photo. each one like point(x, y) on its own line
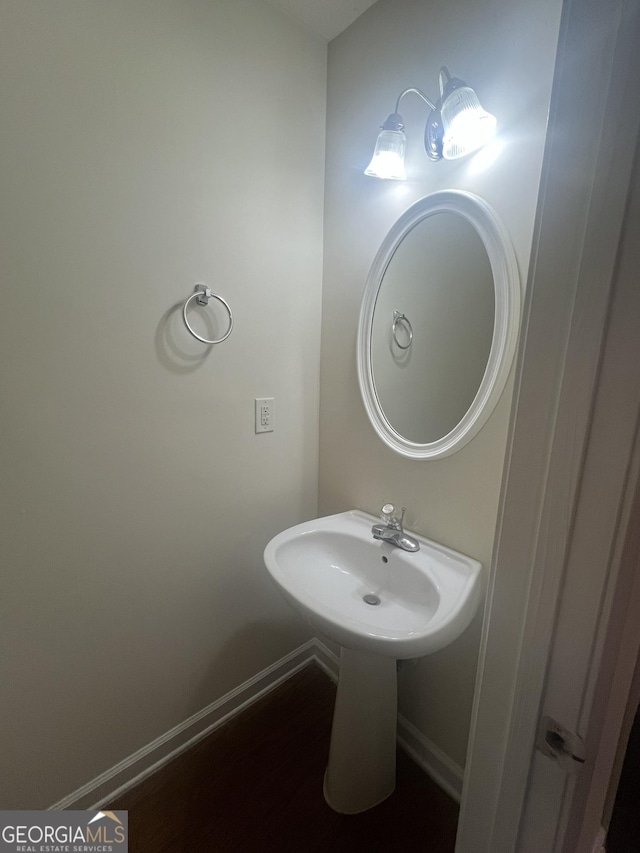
point(400, 318)
point(202, 295)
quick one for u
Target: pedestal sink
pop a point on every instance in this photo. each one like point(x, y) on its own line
point(380, 604)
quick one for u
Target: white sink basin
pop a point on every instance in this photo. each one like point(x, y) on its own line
point(326, 567)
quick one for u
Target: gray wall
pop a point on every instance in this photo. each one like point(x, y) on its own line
point(506, 50)
point(146, 146)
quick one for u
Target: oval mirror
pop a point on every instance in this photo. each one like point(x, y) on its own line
point(438, 325)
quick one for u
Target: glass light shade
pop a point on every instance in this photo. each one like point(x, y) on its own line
point(466, 125)
point(388, 157)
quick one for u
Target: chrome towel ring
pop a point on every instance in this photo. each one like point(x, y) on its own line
point(202, 296)
point(400, 318)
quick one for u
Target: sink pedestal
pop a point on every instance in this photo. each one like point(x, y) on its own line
point(362, 758)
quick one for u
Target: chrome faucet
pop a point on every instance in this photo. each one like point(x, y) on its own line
point(392, 531)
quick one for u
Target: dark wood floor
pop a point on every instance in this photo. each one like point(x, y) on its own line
point(255, 786)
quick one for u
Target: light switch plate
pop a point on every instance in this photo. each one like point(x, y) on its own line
point(264, 413)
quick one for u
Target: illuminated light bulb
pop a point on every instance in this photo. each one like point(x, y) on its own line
point(466, 125)
point(388, 157)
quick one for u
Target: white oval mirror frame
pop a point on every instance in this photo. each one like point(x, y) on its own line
point(507, 287)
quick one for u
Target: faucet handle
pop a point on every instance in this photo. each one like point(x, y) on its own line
point(389, 514)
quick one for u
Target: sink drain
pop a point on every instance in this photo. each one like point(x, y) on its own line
point(371, 599)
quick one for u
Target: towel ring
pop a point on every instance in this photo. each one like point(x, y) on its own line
point(400, 318)
point(202, 296)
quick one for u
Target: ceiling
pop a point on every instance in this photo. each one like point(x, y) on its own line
point(326, 18)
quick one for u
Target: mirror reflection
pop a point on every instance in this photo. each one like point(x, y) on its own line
point(432, 327)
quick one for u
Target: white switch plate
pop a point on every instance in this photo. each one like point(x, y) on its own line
point(264, 414)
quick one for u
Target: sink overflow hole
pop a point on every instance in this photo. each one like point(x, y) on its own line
point(371, 599)
point(385, 559)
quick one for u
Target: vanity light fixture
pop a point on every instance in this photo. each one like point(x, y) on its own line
point(457, 125)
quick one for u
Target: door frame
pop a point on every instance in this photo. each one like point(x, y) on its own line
point(593, 125)
point(614, 692)
point(596, 637)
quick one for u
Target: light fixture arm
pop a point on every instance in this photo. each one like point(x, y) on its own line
point(443, 78)
point(417, 92)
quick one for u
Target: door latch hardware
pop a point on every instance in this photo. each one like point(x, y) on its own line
point(566, 747)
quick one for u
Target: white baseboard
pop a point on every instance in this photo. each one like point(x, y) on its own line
point(435, 763)
point(142, 763)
